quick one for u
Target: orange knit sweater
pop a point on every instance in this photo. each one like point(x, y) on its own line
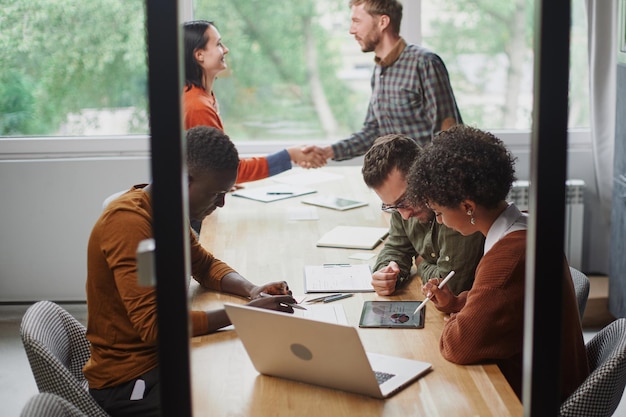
point(198, 111)
point(122, 325)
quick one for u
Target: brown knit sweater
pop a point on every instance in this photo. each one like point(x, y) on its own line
point(487, 322)
point(122, 326)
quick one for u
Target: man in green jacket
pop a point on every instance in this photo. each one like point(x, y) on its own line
point(415, 238)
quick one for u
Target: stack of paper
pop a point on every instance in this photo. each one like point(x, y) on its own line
point(338, 278)
point(353, 237)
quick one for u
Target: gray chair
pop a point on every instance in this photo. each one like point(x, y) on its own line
point(600, 394)
point(581, 286)
point(46, 404)
point(112, 197)
point(57, 349)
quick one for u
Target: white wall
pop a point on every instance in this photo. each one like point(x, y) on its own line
point(49, 206)
point(52, 192)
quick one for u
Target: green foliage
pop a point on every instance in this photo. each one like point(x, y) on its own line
point(16, 104)
point(267, 84)
point(62, 56)
point(75, 55)
point(500, 34)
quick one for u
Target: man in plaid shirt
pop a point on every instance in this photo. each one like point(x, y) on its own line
point(411, 91)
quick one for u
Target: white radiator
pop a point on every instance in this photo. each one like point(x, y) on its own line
point(574, 211)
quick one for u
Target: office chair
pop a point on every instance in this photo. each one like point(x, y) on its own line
point(112, 197)
point(57, 349)
point(50, 405)
point(581, 287)
point(600, 394)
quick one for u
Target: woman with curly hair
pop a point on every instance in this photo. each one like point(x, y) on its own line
point(464, 176)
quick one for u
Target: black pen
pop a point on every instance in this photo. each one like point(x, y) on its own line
point(322, 298)
point(292, 305)
point(336, 297)
point(279, 193)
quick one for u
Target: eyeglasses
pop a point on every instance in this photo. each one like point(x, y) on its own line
point(391, 208)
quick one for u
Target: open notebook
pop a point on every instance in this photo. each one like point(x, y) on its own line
point(353, 237)
point(273, 192)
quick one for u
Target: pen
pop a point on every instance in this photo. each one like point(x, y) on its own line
point(336, 297)
point(440, 286)
point(322, 298)
point(279, 193)
point(292, 305)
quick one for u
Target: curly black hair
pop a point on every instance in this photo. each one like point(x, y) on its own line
point(388, 152)
point(462, 163)
point(210, 149)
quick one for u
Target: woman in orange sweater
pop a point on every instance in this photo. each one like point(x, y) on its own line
point(204, 59)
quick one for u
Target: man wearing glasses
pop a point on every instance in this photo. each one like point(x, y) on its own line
point(414, 235)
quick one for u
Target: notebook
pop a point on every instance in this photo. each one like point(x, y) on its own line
point(319, 353)
point(273, 192)
point(333, 202)
point(353, 237)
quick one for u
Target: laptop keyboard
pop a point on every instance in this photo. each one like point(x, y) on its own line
point(383, 376)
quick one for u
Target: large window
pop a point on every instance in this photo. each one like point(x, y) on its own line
point(72, 67)
point(76, 68)
point(488, 48)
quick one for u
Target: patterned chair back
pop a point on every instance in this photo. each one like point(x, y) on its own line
point(581, 287)
point(57, 349)
point(600, 394)
point(50, 405)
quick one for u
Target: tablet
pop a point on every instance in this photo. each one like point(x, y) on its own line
point(392, 314)
point(334, 202)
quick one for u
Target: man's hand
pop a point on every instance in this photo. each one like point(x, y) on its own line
point(384, 280)
point(276, 302)
point(273, 288)
point(307, 156)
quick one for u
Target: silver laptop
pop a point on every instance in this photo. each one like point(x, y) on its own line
point(319, 353)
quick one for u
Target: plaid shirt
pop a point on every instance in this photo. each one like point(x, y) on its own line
point(411, 95)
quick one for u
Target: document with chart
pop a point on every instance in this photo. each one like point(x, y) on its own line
point(338, 278)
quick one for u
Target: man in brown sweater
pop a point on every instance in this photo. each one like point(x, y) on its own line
point(122, 328)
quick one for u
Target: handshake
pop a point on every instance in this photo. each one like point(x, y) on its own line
point(310, 156)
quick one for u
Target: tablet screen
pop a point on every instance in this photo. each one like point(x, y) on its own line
point(333, 202)
point(392, 314)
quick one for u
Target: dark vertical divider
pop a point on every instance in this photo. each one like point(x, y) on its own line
point(545, 246)
point(169, 204)
point(617, 275)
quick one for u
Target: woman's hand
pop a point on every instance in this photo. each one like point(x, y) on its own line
point(441, 297)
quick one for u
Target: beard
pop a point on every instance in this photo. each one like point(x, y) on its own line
point(370, 42)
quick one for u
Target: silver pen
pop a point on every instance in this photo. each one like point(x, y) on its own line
point(292, 305)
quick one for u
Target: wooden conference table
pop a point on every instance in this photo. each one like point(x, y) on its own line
point(263, 244)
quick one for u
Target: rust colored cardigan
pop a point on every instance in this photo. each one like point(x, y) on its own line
point(487, 322)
